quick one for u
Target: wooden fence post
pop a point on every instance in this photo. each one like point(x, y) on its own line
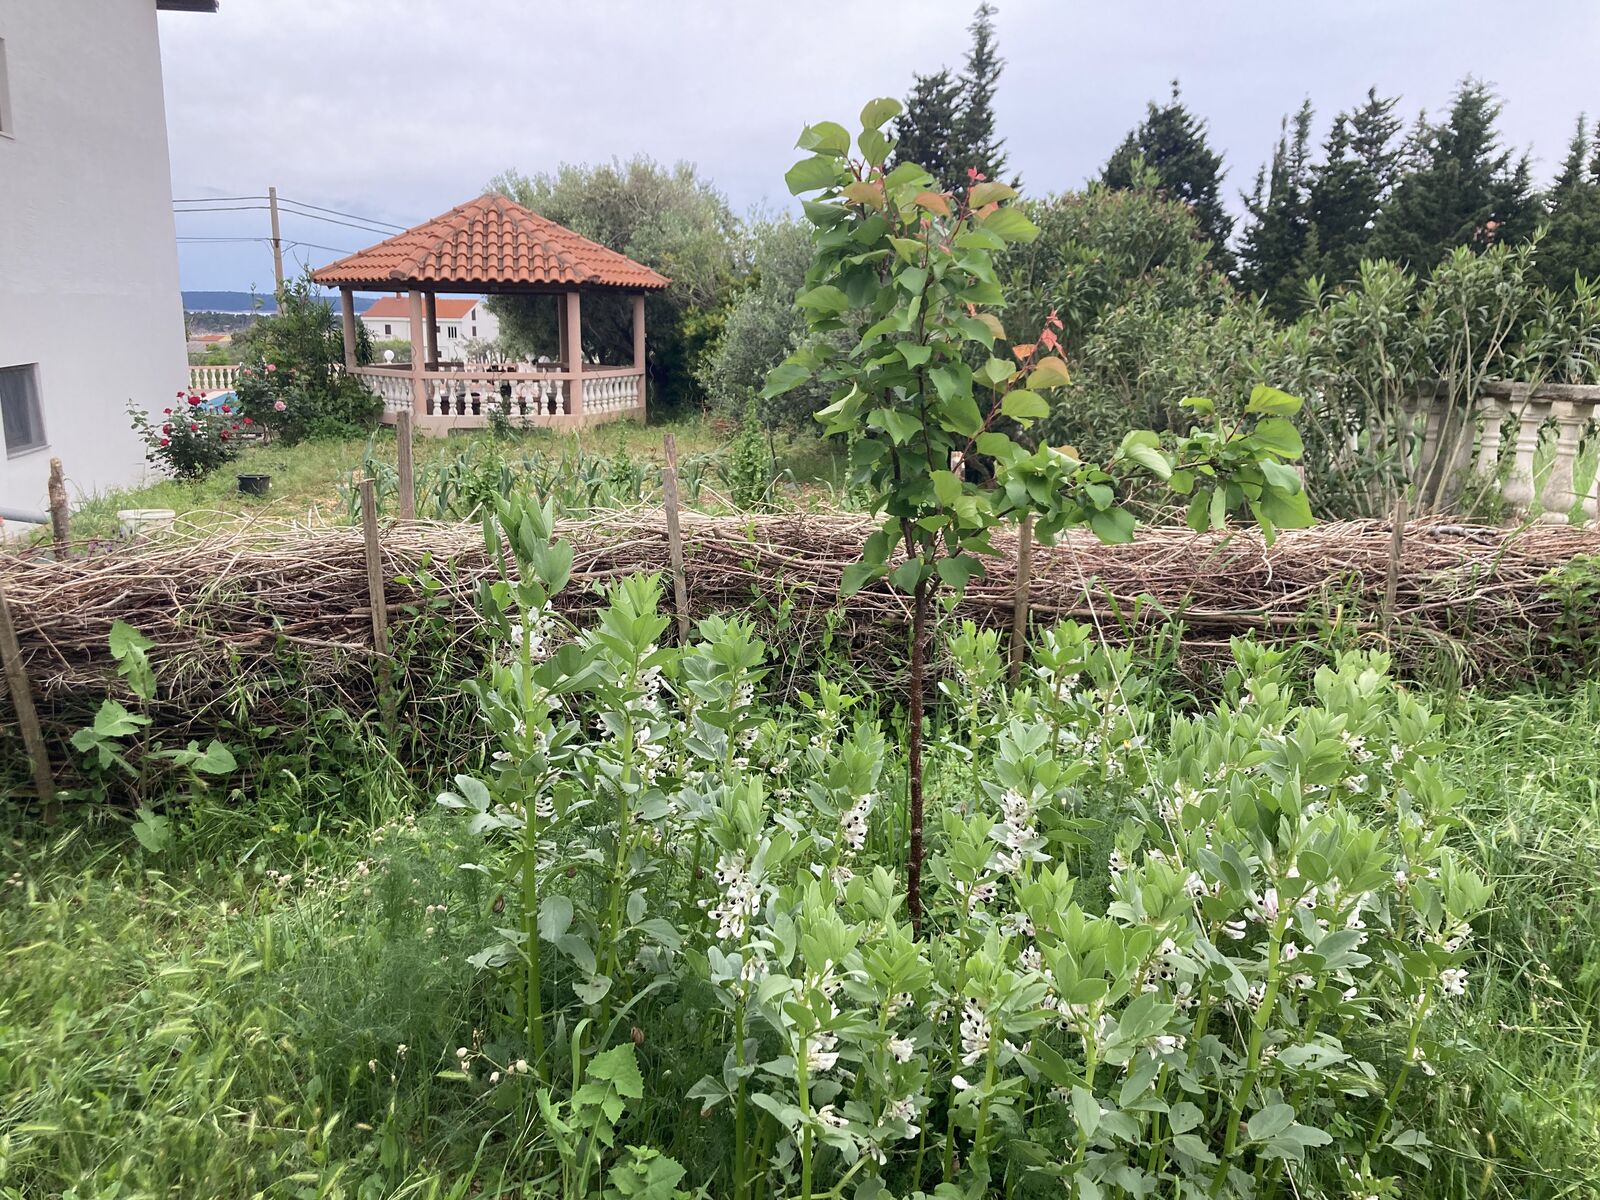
point(1397, 541)
point(27, 715)
point(60, 511)
point(669, 500)
point(403, 465)
point(1019, 600)
point(375, 598)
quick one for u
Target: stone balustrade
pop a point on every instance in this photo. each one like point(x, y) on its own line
point(213, 378)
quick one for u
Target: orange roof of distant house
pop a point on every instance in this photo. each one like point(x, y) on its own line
point(448, 308)
point(219, 338)
point(487, 242)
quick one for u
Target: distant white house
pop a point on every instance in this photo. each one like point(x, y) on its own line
point(460, 319)
point(87, 242)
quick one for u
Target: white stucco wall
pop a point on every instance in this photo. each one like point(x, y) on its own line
point(479, 316)
point(88, 262)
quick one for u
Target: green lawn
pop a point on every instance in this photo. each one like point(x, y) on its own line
point(307, 479)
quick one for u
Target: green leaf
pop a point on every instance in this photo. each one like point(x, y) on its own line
point(1144, 447)
point(988, 193)
point(902, 427)
point(1270, 1122)
point(1219, 508)
point(1085, 1110)
point(825, 137)
point(1025, 406)
point(114, 721)
point(961, 415)
point(618, 1067)
point(1198, 404)
point(996, 371)
point(997, 445)
point(946, 486)
point(555, 917)
point(128, 647)
point(785, 378)
point(153, 831)
point(1113, 526)
point(1049, 372)
point(875, 146)
point(915, 355)
point(825, 298)
point(813, 174)
point(857, 575)
point(1264, 399)
point(216, 759)
point(908, 574)
point(1279, 436)
point(875, 112)
point(1010, 224)
point(955, 572)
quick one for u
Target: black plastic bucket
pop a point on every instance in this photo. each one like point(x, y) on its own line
point(255, 485)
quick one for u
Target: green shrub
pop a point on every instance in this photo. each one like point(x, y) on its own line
point(192, 439)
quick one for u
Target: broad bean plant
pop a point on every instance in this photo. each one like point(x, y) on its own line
point(1161, 955)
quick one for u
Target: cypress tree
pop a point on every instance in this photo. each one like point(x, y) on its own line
point(925, 133)
point(1457, 187)
point(1571, 244)
point(1273, 250)
point(1172, 142)
point(1347, 189)
point(975, 125)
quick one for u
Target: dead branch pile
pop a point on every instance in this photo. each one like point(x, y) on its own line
point(240, 620)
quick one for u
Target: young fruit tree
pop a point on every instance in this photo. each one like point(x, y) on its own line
point(925, 380)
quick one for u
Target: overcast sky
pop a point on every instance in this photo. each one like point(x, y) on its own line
point(402, 109)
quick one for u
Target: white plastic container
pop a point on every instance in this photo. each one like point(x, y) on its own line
point(140, 522)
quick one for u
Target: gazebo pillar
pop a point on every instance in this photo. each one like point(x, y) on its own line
point(572, 350)
point(347, 310)
point(638, 346)
point(419, 385)
point(430, 339)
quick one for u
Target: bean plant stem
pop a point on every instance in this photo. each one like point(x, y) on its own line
point(1405, 1070)
point(1258, 1028)
point(919, 619)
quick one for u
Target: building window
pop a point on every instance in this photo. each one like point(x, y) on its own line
point(5, 94)
point(19, 409)
point(387, 330)
point(474, 331)
point(452, 331)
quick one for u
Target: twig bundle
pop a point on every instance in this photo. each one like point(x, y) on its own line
point(225, 611)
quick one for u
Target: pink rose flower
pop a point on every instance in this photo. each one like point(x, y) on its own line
point(279, 405)
point(272, 367)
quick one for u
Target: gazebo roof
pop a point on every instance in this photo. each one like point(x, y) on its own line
point(488, 243)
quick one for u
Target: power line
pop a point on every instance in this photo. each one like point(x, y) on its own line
point(284, 208)
point(337, 213)
point(217, 199)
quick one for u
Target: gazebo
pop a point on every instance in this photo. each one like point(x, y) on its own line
point(494, 246)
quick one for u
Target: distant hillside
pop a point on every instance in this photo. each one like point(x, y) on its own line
point(245, 302)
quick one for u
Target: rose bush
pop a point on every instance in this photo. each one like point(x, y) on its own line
point(192, 438)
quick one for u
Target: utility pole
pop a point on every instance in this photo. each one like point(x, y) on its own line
point(277, 242)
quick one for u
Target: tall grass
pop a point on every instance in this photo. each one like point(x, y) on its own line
point(226, 1018)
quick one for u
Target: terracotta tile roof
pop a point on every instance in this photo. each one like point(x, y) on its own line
point(398, 308)
point(487, 242)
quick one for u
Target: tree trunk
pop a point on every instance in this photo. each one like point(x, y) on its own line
point(919, 620)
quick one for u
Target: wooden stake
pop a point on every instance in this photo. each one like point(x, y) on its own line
point(403, 463)
point(669, 499)
point(27, 715)
point(1396, 544)
point(375, 597)
point(60, 511)
point(1019, 601)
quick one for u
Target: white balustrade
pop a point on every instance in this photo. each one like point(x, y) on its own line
point(219, 377)
point(469, 399)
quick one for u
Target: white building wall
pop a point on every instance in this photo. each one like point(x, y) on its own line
point(88, 262)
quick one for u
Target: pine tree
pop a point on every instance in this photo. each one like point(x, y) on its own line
point(1571, 244)
point(1349, 186)
point(1171, 140)
point(1273, 250)
point(1457, 187)
point(926, 132)
point(976, 126)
